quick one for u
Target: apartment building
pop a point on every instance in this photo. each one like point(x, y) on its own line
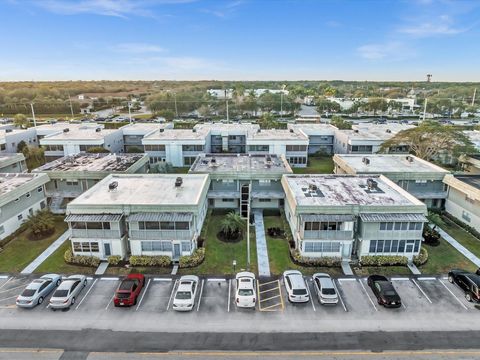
point(419, 177)
point(10, 138)
point(367, 138)
point(227, 138)
point(471, 163)
point(351, 216)
point(321, 137)
point(72, 175)
point(463, 200)
point(240, 180)
point(139, 215)
point(12, 163)
point(21, 195)
point(133, 134)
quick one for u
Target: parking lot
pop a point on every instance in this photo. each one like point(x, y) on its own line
point(422, 298)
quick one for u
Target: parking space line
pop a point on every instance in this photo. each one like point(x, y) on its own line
point(369, 298)
point(270, 298)
point(310, 295)
point(171, 295)
point(455, 296)
point(108, 305)
point(163, 279)
point(268, 308)
point(14, 288)
point(346, 279)
point(109, 278)
point(426, 279)
point(421, 290)
point(200, 296)
point(86, 294)
point(265, 291)
point(229, 292)
point(5, 283)
point(8, 298)
point(143, 294)
point(400, 279)
point(268, 283)
point(217, 280)
point(4, 276)
point(340, 296)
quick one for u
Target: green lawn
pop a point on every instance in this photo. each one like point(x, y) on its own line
point(316, 165)
point(463, 237)
point(180, 170)
point(21, 251)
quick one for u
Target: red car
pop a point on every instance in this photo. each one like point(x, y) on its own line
point(129, 289)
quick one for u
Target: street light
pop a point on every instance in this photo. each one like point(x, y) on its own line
point(129, 111)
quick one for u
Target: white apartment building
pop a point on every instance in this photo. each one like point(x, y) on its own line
point(463, 199)
point(12, 163)
point(10, 138)
point(133, 134)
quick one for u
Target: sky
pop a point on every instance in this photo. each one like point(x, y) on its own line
point(377, 40)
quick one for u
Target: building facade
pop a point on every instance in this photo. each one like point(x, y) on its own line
point(12, 163)
point(463, 200)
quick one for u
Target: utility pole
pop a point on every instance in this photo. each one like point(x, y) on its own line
point(129, 111)
point(175, 99)
point(281, 102)
point(70, 101)
point(226, 101)
point(474, 94)
point(425, 108)
point(33, 114)
point(248, 226)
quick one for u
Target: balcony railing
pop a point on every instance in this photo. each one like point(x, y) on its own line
point(161, 234)
point(103, 234)
point(328, 235)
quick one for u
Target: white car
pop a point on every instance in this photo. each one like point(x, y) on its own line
point(325, 289)
point(38, 290)
point(184, 299)
point(296, 286)
point(67, 292)
point(246, 295)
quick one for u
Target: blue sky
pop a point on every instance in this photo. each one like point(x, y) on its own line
point(240, 39)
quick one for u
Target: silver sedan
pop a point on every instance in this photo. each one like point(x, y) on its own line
point(38, 290)
point(67, 292)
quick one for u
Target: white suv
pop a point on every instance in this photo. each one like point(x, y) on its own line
point(296, 286)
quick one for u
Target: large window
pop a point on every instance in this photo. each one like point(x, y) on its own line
point(296, 148)
point(156, 246)
point(90, 225)
point(154, 147)
point(86, 247)
point(53, 147)
point(163, 225)
point(322, 246)
point(388, 226)
point(192, 147)
point(394, 246)
point(186, 246)
point(296, 160)
point(362, 148)
point(324, 225)
point(259, 148)
point(188, 160)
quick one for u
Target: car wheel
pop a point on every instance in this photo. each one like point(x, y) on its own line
point(58, 282)
point(73, 301)
point(450, 279)
point(40, 300)
point(468, 296)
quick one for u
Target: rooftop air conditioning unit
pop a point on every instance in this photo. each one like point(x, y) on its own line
point(410, 158)
point(388, 131)
point(372, 184)
point(366, 160)
point(178, 181)
point(98, 129)
point(313, 187)
point(162, 130)
point(8, 130)
point(291, 130)
point(66, 130)
point(113, 185)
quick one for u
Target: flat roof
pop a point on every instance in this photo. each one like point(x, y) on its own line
point(341, 190)
point(371, 131)
point(386, 163)
point(177, 134)
point(472, 180)
point(141, 128)
point(10, 158)
point(92, 162)
point(10, 182)
point(6, 132)
point(145, 189)
point(219, 126)
point(277, 134)
point(314, 129)
point(45, 129)
point(240, 164)
point(80, 134)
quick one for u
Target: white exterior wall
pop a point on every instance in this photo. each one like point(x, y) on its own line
point(12, 224)
point(174, 153)
point(458, 206)
point(117, 246)
point(218, 203)
point(272, 204)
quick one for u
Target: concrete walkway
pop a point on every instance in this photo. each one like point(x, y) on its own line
point(102, 268)
point(262, 251)
point(44, 255)
point(473, 258)
point(413, 268)
point(346, 268)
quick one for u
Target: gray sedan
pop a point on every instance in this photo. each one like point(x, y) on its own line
point(38, 290)
point(67, 292)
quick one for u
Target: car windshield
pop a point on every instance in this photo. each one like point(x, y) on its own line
point(299, 292)
point(60, 293)
point(183, 295)
point(328, 291)
point(390, 293)
point(123, 295)
point(28, 292)
point(245, 292)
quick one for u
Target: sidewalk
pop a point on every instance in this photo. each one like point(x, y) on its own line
point(262, 251)
point(44, 255)
point(458, 246)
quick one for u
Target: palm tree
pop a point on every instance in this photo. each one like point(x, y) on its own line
point(232, 225)
point(42, 224)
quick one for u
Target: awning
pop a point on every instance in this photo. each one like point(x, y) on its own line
point(161, 216)
point(267, 194)
point(327, 217)
point(392, 217)
point(219, 194)
point(93, 217)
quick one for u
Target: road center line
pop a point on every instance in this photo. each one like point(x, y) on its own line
point(421, 290)
point(143, 294)
point(88, 292)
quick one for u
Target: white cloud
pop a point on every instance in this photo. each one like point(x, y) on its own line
point(393, 50)
point(441, 25)
point(137, 48)
point(225, 9)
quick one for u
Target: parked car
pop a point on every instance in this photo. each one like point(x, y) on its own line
point(295, 286)
point(468, 282)
point(67, 292)
point(246, 295)
point(129, 290)
point(184, 299)
point(325, 289)
point(384, 291)
point(38, 290)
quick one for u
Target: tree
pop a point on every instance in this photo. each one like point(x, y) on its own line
point(267, 121)
point(325, 105)
point(340, 123)
point(430, 140)
point(42, 224)
point(376, 104)
point(20, 120)
point(232, 226)
point(22, 147)
point(169, 115)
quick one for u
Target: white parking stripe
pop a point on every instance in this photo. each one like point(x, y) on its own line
point(421, 290)
point(109, 278)
point(369, 298)
point(4, 276)
point(340, 296)
point(229, 292)
point(143, 294)
point(217, 280)
point(450, 291)
point(200, 296)
point(310, 295)
point(346, 279)
point(8, 298)
point(171, 295)
point(14, 288)
point(163, 279)
point(426, 278)
point(5, 283)
point(88, 292)
point(400, 279)
point(108, 305)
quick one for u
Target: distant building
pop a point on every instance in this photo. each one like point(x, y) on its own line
point(21, 195)
point(320, 137)
point(471, 163)
point(12, 163)
point(474, 136)
point(10, 138)
point(133, 134)
point(463, 199)
point(221, 94)
point(419, 177)
point(349, 216)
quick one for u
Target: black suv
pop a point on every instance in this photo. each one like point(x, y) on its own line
point(468, 282)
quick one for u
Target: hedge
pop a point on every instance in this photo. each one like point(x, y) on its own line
point(421, 258)
point(82, 260)
point(193, 260)
point(314, 262)
point(464, 226)
point(383, 260)
point(161, 261)
point(114, 259)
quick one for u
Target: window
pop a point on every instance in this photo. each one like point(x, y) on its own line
point(401, 246)
point(379, 246)
point(373, 246)
point(228, 200)
point(77, 246)
point(72, 182)
point(362, 148)
point(186, 246)
point(188, 160)
point(94, 247)
point(156, 246)
point(417, 246)
point(167, 225)
point(387, 245)
point(264, 182)
point(182, 225)
point(152, 225)
point(264, 200)
point(297, 160)
point(227, 181)
point(106, 226)
point(192, 147)
point(296, 147)
point(321, 246)
point(265, 148)
point(20, 217)
point(386, 226)
point(154, 147)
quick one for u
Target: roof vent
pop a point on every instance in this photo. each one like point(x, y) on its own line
point(66, 130)
point(178, 181)
point(98, 129)
point(388, 131)
point(366, 161)
point(410, 158)
point(213, 160)
point(372, 184)
point(194, 130)
point(8, 130)
point(355, 131)
point(312, 187)
point(259, 130)
point(113, 185)
point(291, 130)
point(162, 130)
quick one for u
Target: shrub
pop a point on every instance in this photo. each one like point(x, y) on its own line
point(383, 260)
point(431, 236)
point(82, 260)
point(193, 260)
point(42, 224)
point(114, 260)
point(144, 260)
point(421, 258)
point(315, 262)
